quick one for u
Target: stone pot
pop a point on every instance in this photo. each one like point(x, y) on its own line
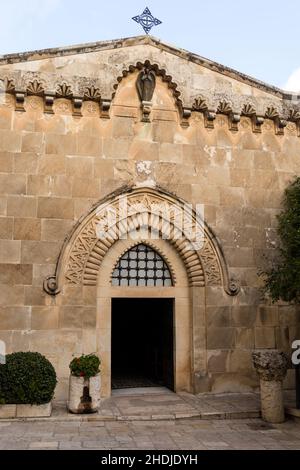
point(84, 394)
point(271, 366)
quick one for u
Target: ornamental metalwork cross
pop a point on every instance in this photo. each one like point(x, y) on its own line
point(147, 20)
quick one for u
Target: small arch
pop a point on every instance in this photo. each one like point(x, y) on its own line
point(142, 266)
point(159, 73)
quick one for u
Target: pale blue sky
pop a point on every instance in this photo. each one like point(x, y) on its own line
point(257, 37)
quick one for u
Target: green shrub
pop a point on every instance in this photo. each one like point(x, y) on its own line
point(85, 366)
point(282, 280)
point(27, 378)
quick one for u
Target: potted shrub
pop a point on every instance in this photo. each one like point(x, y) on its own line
point(85, 383)
point(27, 385)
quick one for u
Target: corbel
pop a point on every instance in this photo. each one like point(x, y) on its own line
point(49, 102)
point(20, 100)
point(146, 110)
point(77, 105)
point(209, 118)
point(233, 121)
point(280, 125)
point(185, 116)
point(257, 122)
point(105, 108)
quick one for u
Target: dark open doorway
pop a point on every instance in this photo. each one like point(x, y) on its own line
point(142, 343)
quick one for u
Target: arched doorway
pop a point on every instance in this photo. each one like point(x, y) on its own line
point(148, 311)
point(142, 343)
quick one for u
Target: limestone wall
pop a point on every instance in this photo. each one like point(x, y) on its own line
point(54, 167)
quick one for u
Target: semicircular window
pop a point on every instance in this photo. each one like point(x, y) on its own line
point(142, 266)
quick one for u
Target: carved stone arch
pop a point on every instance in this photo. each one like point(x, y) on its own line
point(160, 72)
point(85, 248)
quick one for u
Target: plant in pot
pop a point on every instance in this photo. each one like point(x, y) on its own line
point(85, 383)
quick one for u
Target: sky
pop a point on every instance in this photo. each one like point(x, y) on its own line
point(256, 37)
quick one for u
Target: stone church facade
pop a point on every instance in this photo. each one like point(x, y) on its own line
point(135, 120)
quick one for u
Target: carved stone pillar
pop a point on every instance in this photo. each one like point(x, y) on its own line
point(271, 366)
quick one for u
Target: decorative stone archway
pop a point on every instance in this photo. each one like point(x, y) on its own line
point(83, 252)
point(88, 259)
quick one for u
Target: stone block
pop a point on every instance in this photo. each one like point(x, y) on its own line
point(44, 318)
point(10, 251)
point(267, 316)
point(6, 228)
point(3, 205)
point(244, 338)
point(89, 188)
point(240, 360)
point(220, 338)
point(217, 360)
point(10, 141)
point(12, 184)
point(55, 208)
point(6, 162)
point(60, 144)
point(35, 295)
point(8, 411)
point(14, 318)
point(14, 274)
point(265, 338)
point(27, 229)
point(33, 142)
point(34, 411)
point(22, 206)
point(282, 339)
point(80, 167)
point(52, 165)
point(56, 230)
point(89, 146)
point(123, 127)
point(39, 252)
point(26, 163)
point(41, 185)
point(218, 316)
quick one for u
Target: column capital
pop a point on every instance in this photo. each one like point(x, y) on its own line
point(270, 364)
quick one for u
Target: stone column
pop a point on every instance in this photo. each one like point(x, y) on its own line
point(271, 366)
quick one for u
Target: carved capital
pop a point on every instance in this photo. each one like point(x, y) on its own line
point(270, 364)
point(50, 286)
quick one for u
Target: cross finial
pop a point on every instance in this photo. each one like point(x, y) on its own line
point(147, 20)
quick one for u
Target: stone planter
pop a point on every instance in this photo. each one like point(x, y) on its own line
point(84, 394)
point(271, 366)
point(25, 411)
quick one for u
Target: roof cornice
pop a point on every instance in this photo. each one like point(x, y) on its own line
point(146, 40)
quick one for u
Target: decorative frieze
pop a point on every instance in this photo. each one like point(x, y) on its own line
point(209, 102)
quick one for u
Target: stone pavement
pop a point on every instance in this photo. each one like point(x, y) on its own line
point(156, 419)
point(193, 434)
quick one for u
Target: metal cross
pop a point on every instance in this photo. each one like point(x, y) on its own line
point(147, 20)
